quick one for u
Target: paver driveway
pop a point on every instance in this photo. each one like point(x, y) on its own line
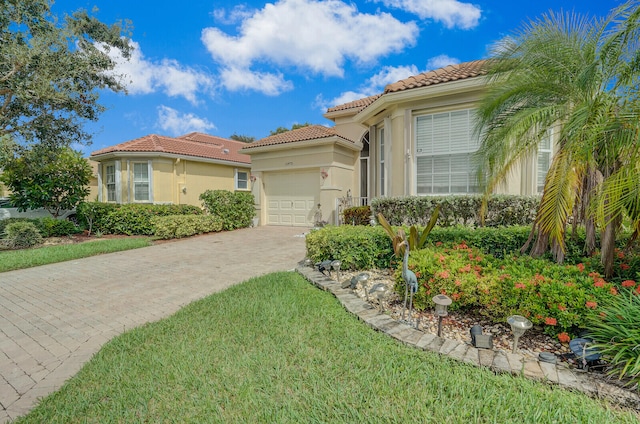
point(53, 318)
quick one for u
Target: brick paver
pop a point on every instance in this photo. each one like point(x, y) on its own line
point(53, 318)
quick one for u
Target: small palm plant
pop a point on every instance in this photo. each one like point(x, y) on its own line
point(416, 239)
point(616, 332)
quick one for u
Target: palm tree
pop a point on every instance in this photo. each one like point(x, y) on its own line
point(577, 77)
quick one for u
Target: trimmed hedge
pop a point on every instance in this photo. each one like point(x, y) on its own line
point(21, 234)
point(129, 219)
point(502, 210)
point(234, 209)
point(178, 226)
point(47, 227)
point(363, 247)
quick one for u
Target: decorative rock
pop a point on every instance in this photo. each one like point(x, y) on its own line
point(547, 357)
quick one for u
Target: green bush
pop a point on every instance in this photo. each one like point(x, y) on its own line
point(502, 210)
point(21, 234)
point(357, 247)
point(129, 219)
point(178, 226)
point(234, 209)
point(50, 227)
point(357, 215)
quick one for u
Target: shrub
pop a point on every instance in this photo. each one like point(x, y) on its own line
point(358, 215)
point(235, 210)
point(21, 234)
point(129, 219)
point(50, 227)
point(178, 226)
point(356, 247)
point(502, 210)
point(616, 330)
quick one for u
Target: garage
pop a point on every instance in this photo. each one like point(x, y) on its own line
point(291, 197)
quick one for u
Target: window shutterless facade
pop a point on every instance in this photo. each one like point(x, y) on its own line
point(141, 192)
point(242, 180)
point(110, 182)
point(544, 161)
point(445, 143)
point(381, 154)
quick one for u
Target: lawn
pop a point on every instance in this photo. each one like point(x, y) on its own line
point(277, 350)
point(25, 258)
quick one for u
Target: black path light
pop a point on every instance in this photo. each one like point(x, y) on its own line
point(442, 302)
point(519, 325)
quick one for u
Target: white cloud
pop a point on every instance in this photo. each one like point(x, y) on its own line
point(310, 35)
point(452, 13)
point(243, 79)
point(233, 16)
point(142, 76)
point(441, 61)
point(176, 123)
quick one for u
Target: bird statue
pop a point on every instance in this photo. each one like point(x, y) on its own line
point(410, 281)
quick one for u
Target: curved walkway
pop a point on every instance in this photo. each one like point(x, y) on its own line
point(53, 318)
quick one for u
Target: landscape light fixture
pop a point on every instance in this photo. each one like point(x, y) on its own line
point(363, 279)
point(442, 302)
point(519, 325)
point(336, 267)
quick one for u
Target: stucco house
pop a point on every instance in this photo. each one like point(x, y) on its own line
point(415, 138)
point(159, 169)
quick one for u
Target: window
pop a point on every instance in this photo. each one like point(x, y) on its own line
point(445, 143)
point(382, 167)
point(141, 182)
point(111, 183)
point(242, 180)
point(544, 161)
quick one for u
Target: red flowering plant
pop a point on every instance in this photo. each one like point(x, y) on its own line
point(556, 297)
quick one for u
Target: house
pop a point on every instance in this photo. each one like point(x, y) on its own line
point(415, 138)
point(159, 169)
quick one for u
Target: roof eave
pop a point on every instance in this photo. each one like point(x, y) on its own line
point(429, 91)
point(124, 154)
point(334, 139)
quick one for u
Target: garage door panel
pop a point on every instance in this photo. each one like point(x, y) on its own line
point(291, 198)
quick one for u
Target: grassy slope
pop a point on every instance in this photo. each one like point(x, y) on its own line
point(276, 349)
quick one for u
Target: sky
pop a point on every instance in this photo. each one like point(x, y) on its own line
point(247, 68)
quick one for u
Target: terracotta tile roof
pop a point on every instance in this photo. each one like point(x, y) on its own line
point(356, 104)
point(438, 76)
point(311, 132)
point(194, 144)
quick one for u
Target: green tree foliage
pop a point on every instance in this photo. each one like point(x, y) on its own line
point(577, 76)
point(51, 71)
point(242, 138)
point(280, 130)
point(51, 178)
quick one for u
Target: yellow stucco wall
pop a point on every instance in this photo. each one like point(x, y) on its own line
point(174, 181)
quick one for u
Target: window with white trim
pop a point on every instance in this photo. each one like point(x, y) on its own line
point(382, 167)
point(141, 182)
point(110, 182)
point(242, 180)
point(544, 161)
point(445, 143)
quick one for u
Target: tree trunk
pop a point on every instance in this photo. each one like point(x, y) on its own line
point(608, 245)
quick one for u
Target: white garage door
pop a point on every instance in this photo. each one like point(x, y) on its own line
point(291, 198)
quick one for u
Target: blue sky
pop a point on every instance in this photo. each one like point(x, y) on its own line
point(228, 67)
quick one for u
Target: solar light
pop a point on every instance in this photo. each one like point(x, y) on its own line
point(519, 325)
point(363, 279)
point(442, 302)
point(336, 267)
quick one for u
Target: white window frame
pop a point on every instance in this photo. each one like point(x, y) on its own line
point(238, 180)
point(110, 182)
point(448, 143)
point(148, 181)
point(545, 148)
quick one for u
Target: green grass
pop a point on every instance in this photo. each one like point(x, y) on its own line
point(19, 259)
point(277, 350)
